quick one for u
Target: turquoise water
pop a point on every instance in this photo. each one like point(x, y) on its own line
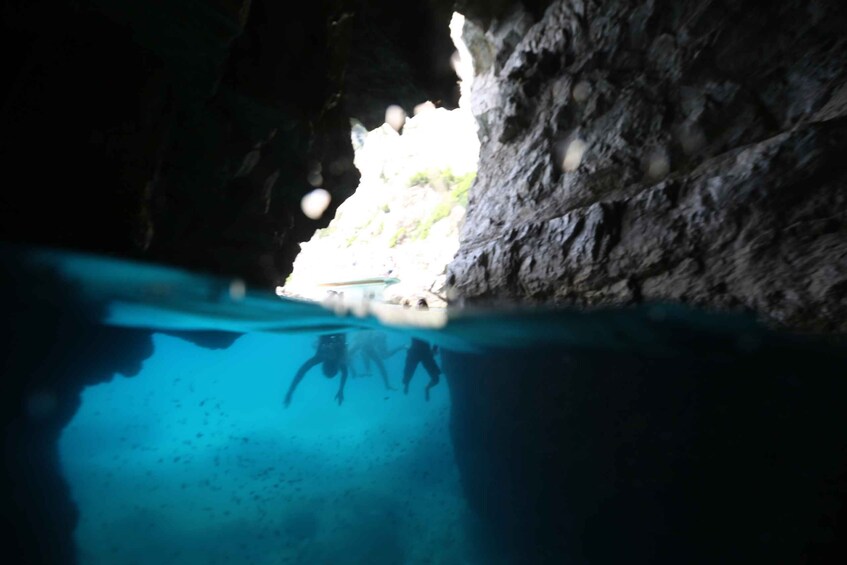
point(195, 460)
point(552, 434)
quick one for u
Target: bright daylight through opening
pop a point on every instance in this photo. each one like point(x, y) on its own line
point(393, 239)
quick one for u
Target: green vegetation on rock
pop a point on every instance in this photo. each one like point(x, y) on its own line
point(462, 187)
point(398, 236)
point(457, 194)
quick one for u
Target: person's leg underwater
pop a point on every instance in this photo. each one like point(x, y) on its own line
point(366, 361)
point(412, 361)
point(371, 355)
point(434, 372)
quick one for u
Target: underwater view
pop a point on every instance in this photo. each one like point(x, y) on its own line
point(259, 429)
point(197, 460)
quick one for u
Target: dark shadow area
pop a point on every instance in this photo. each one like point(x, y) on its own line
point(731, 450)
point(52, 348)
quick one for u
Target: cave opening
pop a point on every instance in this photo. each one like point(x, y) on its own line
point(400, 229)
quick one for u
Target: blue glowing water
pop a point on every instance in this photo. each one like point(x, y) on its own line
point(195, 460)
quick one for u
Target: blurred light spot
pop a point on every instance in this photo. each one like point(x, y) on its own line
point(452, 294)
point(41, 404)
point(280, 291)
point(582, 91)
point(330, 299)
point(395, 116)
point(425, 107)
point(692, 139)
point(315, 179)
point(338, 167)
point(237, 290)
point(573, 156)
point(359, 308)
point(394, 316)
point(658, 164)
point(315, 203)
point(456, 61)
point(335, 301)
point(315, 167)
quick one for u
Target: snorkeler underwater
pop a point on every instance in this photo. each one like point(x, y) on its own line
point(424, 283)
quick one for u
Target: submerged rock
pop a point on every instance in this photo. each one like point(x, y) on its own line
point(695, 445)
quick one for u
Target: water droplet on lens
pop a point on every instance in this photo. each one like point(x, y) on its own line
point(582, 91)
point(395, 116)
point(237, 289)
point(658, 164)
point(315, 203)
point(573, 155)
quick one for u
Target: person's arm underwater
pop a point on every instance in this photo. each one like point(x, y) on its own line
point(340, 396)
point(353, 349)
point(380, 346)
point(392, 352)
point(301, 372)
point(349, 355)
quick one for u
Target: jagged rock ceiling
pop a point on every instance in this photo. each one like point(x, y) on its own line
point(185, 132)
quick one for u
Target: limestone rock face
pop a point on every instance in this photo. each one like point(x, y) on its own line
point(656, 150)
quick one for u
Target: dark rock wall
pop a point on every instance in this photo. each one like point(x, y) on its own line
point(52, 348)
point(658, 150)
point(730, 450)
point(654, 150)
point(400, 54)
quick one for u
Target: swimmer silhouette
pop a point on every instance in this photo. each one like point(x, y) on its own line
point(331, 354)
point(373, 347)
point(420, 352)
